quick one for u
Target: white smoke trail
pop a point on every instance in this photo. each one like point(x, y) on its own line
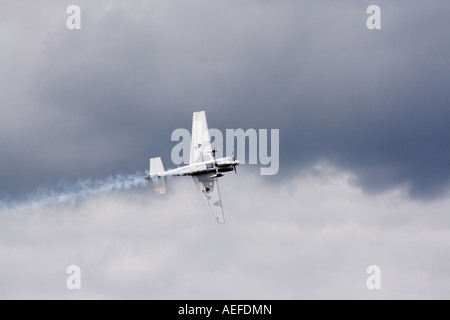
point(70, 193)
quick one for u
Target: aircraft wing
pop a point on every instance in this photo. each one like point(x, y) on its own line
point(200, 139)
point(209, 188)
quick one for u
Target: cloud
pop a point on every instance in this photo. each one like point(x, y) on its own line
point(87, 104)
point(102, 100)
point(312, 236)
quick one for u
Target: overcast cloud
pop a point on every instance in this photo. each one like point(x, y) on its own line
point(373, 105)
point(313, 237)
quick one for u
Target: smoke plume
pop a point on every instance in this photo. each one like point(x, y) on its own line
point(69, 192)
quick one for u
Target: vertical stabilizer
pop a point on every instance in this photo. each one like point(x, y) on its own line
point(157, 175)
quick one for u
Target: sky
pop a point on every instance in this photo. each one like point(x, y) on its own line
point(364, 151)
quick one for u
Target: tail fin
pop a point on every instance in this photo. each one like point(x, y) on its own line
point(156, 167)
point(157, 176)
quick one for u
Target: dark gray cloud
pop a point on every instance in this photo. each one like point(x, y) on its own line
point(371, 107)
point(103, 99)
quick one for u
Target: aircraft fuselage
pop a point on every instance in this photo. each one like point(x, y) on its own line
point(220, 165)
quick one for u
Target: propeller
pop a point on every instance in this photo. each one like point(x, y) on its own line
point(234, 160)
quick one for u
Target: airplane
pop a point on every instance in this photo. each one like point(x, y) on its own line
point(203, 166)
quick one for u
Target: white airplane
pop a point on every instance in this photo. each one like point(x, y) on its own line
point(203, 167)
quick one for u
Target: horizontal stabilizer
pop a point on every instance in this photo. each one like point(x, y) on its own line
point(160, 185)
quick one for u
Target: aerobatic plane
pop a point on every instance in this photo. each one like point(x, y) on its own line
point(203, 166)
